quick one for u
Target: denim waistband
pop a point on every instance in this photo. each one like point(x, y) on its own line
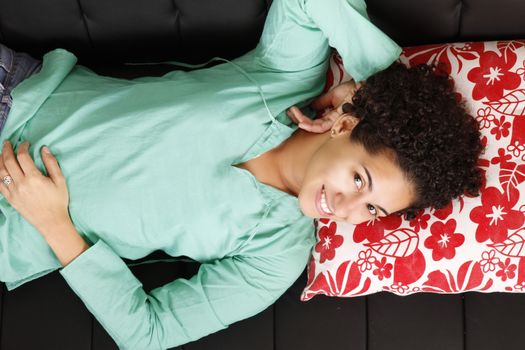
point(14, 68)
point(6, 65)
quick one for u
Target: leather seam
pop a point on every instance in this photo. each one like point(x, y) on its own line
point(83, 14)
point(460, 20)
point(177, 23)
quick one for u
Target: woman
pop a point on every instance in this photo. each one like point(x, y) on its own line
point(204, 164)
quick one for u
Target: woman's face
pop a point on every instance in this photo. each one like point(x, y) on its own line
point(345, 182)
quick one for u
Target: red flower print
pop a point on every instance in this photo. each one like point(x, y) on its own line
point(488, 261)
point(383, 269)
point(374, 230)
point(328, 241)
point(507, 270)
point(484, 142)
point(521, 270)
point(444, 55)
point(409, 269)
point(501, 128)
point(444, 240)
point(510, 176)
point(521, 71)
point(365, 260)
point(484, 118)
point(501, 157)
point(399, 288)
point(444, 212)
point(469, 277)
point(493, 76)
point(483, 165)
point(495, 216)
point(335, 73)
point(520, 287)
point(518, 135)
point(510, 45)
point(420, 221)
point(347, 281)
point(516, 148)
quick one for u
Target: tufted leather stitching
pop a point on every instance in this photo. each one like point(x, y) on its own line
point(177, 21)
point(83, 15)
point(460, 19)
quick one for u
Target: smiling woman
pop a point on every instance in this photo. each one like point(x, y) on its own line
point(206, 164)
point(148, 165)
point(403, 143)
point(354, 185)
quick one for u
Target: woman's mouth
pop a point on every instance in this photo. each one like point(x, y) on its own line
point(322, 204)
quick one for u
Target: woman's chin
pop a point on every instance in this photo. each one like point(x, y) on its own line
point(308, 210)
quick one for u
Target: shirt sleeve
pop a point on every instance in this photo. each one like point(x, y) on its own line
point(298, 34)
point(221, 293)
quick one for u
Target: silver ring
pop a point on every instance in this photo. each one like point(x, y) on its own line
point(7, 180)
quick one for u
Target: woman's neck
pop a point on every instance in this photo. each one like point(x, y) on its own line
point(284, 166)
point(290, 159)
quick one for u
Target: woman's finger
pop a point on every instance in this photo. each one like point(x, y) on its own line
point(3, 172)
point(26, 161)
point(323, 125)
point(298, 116)
point(316, 128)
point(319, 125)
point(11, 163)
point(292, 116)
point(52, 167)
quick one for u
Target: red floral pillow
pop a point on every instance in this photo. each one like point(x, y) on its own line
point(474, 244)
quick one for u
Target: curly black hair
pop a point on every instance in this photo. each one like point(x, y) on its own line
point(416, 113)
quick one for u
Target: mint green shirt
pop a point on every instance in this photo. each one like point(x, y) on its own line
point(149, 166)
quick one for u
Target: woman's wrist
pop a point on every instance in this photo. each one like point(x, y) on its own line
point(65, 241)
point(61, 222)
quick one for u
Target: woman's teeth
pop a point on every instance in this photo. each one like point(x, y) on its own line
point(324, 205)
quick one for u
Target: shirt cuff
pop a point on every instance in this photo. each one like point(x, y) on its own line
point(94, 265)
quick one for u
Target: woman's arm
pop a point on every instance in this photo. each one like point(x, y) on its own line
point(298, 33)
point(221, 293)
point(41, 200)
point(65, 241)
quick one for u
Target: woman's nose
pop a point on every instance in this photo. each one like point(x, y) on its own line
point(350, 208)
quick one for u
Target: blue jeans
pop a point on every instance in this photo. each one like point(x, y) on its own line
point(14, 67)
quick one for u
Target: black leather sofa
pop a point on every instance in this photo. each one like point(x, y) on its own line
point(46, 314)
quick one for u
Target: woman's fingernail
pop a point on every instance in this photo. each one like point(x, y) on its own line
point(46, 149)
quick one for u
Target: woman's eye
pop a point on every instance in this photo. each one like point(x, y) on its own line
point(358, 181)
point(372, 209)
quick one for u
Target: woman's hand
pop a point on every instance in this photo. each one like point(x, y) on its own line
point(330, 103)
point(43, 201)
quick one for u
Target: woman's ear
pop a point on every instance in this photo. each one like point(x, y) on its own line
point(344, 124)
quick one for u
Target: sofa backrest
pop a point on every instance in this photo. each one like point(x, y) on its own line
point(417, 22)
point(192, 31)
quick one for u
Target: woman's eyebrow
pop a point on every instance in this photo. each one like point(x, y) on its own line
point(369, 178)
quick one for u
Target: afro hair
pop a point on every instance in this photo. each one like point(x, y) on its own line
point(416, 113)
